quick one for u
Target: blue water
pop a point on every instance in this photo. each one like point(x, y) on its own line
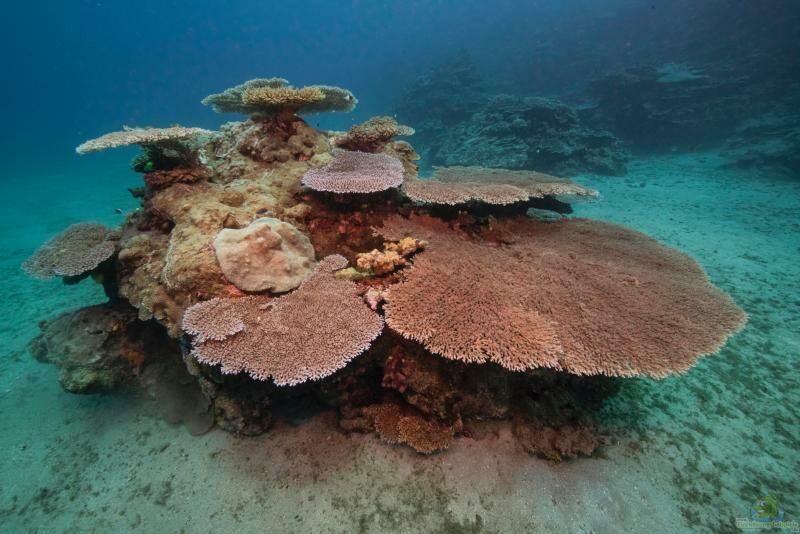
point(76, 70)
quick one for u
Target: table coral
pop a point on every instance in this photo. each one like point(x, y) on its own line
point(305, 335)
point(581, 296)
point(355, 172)
point(80, 248)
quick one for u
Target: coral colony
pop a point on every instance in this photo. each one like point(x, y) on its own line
point(279, 263)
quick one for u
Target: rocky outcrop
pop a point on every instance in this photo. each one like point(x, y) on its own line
point(100, 348)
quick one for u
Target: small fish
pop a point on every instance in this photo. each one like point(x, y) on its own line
point(262, 211)
point(118, 211)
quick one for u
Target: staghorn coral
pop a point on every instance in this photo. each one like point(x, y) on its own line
point(391, 258)
point(271, 96)
point(372, 135)
point(460, 185)
point(268, 254)
point(75, 251)
point(140, 136)
point(305, 335)
point(355, 172)
point(580, 296)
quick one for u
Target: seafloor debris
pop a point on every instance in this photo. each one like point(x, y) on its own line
point(491, 314)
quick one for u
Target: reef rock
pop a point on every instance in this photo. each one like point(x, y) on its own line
point(100, 348)
point(268, 254)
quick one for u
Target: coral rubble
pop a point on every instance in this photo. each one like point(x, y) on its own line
point(456, 308)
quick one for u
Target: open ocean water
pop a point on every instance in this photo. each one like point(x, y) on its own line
point(689, 453)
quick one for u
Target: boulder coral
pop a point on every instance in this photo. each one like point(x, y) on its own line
point(268, 254)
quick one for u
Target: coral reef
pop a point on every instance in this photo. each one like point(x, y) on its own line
point(268, 254)
point(372, 135)
point(77, 250)
point(101, 348)
point(491, 314)
point(355, 172)
point(459, 123)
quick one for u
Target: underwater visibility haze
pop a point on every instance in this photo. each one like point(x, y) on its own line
point(421, 266)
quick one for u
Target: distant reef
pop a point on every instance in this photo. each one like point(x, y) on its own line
point(459, 122)
point(751, 119)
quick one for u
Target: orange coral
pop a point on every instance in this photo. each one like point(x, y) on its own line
point(580, 296)
point(396, 424)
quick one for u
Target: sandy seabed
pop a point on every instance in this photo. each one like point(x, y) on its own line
point(688, 454)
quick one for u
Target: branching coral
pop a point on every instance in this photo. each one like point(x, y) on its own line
point(355, 172)
point(580, 296)
point(396, 424)
point(267, 254)
point(140, 136)
point(459, 185)
point(305, 335)
point(274, 95)
point(75, 251)
point(391, 258)
point(372, 135)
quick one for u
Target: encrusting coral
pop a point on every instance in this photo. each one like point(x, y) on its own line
point(372, 135)
point(489, 314)
point(305, 335)
point(355, 172)
point(268, 254)
point(75, 251)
